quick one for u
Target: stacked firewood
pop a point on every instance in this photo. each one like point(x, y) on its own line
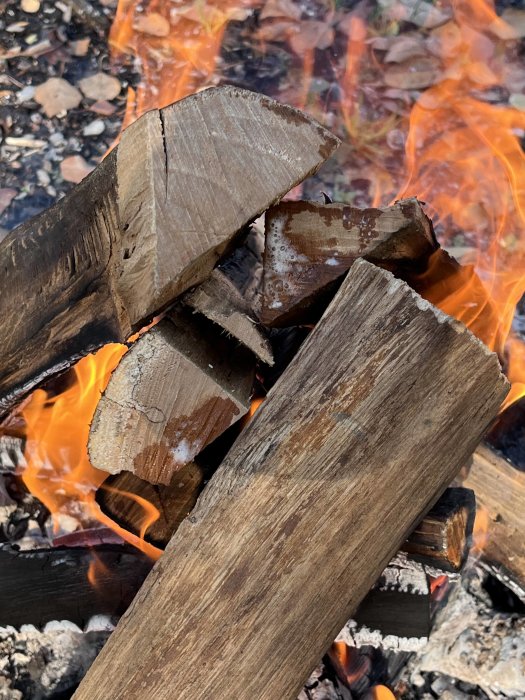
point(362, 427)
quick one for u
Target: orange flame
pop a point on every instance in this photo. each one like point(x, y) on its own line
point(58, 469)
point(465, 161)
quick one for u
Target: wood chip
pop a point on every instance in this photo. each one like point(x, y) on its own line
point(56, 95)
point(152, 24)
point(80, 47)
point(7, 194)
point(100, 86)
point(75, 168)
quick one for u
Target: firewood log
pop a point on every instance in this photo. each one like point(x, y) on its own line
point(500, 494)
point(220, 301)
point(357, 439)
point(310, 246)
point(179, 387)
point(151, 221)
point(442, 538)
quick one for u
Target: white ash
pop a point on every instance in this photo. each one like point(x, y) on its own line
point(355, 635)
point(39, 664)
point(11, 454)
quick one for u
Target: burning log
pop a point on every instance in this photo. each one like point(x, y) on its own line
point(219, 300)
point(310, 246)
point(500, 493)
point(353, 443)
point(126, 241)
point(442, 538)
point(53, 584)
point(178, 388)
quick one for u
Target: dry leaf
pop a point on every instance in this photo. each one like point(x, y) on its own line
point(277, 30)
point(57, 95)
point(312, 35)
point(412, 75)
point(445, 41)
point(75, 168)
point(281, 8)
point(103, 107)
point(405, 47)
point(100, 86)
point(152, 24)
point(418, 12)
point(511, 25)
point(6, 195)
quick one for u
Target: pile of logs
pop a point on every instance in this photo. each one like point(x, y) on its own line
point(345, 462)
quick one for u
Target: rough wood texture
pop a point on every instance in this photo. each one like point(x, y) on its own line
point(442, 538)
point(174, 501)
point(309, 246)
point(179, 387)
point(358, 438)
point(147, 224)
point(219, 300)
point(500, 495)
point(52, 584)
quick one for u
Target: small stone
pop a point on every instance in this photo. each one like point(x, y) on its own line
point(100, 86)
point(517, 100)
point(75, 168)
point(57, 139)
point(43, 178)
point(30, 6)
point(94, 128)
point(103, 107)
point(56, 95)
point(80, 47)
point(25, 94)
point(6, 195)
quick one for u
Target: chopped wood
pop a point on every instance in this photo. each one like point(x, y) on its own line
point(500, 495)
point(310, 246)
point(52, 584)
point(219, 300)
point(179, 387)
point(174, 501)
point(359, 436)
point(150, 222)
point(442, 538)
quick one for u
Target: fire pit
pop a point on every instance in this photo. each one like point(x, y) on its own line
point(282, 397)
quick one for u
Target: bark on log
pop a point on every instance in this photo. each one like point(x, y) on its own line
point(442, 538)
point(358, 438)
point(219, 300)
point(136, 233)
point(309, 247)
point(43, 585)
point(179, 387)
point(500, 495)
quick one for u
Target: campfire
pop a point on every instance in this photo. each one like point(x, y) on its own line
point(260, 344)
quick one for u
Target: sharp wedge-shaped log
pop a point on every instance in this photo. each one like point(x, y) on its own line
point(147, 224)
point(442, 538)
point(309, 247)
point(358, 438)
point(500, 495)
point(219, 300)
point(181, 385)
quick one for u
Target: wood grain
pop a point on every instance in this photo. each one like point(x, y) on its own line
point(310, 246)
point(354, 443)
point(180, 386)
point(140, 230)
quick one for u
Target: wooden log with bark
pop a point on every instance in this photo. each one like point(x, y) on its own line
point(442, 538)
point(354, 443)
point(179, 387)
point(500, 527)
point(126, 241)
point(310, 246)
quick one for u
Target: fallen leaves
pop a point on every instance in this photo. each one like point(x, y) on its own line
point(100, 86)
point(56, 95)
point(413, 75)
point(419, 12)
point(75, 168)
point(312, 35)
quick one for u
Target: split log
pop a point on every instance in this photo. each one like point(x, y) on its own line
point(219, 300)
point(500, 494)
point(42, 585)
point(442, 538)
point(179, 387)
point(174, 501)
point(309, 247)
point(358, 438)
point(151, 221)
